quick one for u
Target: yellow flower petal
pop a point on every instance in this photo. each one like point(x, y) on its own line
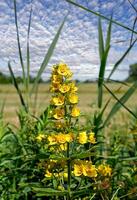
point(75, 112)
point(73, 98)
point(82, 138)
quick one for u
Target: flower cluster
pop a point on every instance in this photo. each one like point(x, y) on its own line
point(65, 98)
point(65, 136)
point(86, 168)
point(104, 170)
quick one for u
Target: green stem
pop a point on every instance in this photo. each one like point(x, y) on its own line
point(69, 172)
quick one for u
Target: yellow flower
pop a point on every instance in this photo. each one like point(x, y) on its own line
point(62, 69)
point(48, 174)
point(75, 112)
point(65, 175)
point(58, 113)
point(92, 138)
point(104, 170)
point(56, 78)
point(108, 170)
point(58, 100)
point(69, 74)
point(73, 88)
point(63, 147)
point(61, 138)
point(55, 87)
point(69, 137)
point(40, 137)
point(82, 138)
point(78, 169)
point(64, 88)
point(73, 98)
point(91, 170)
point(52, 139)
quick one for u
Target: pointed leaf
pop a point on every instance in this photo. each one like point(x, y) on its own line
point(101, 76)
point(100, 39)
point(102, 16)
point(18, 41)
point(17, 87)
point(120, 102)
point(122, 58)
point(108, 39)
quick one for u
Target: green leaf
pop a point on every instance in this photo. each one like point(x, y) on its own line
point(101, 76)
point(102, 16)
point(48, 192)
point(48, 55)
point(121, 59)
point(100, 39)
point(17, 88)
point(28, 52)
point(108, 38)
point(120, 102)
point(18, 41)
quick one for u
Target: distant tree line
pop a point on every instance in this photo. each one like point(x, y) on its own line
point(5, 79)
point(132, 72)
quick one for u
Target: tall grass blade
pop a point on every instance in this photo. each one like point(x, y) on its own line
point(103, 56)
point(101, 77)
point(2, 109)
point(102, 16)
point(100, 39)
point(108, 38)
point(120, 102)
point(48, 55)
point(28, 52)
point(132, 34)
point(122, 58)
point(17, 87)
point(18, 40)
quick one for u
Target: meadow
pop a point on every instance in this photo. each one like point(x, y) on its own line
point(87, 100)
point(76, 141)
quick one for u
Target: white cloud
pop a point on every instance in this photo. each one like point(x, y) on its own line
point(78, 44)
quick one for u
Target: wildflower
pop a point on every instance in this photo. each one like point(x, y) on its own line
point(61, 138)
point(104, 170)
point(63, 69)
point(78, 169)
point(56, 79)
point(73, 88)
point(48, 174)
point(92, 138)
point(58, 113)
point(64, 88)
point(58, 100)
point(40, 137)
point(75, 112)
point(52, 139)
point(65, 175)
point(73, 98)
point(63, 147)
point(82, 138)
point(55, 87)
point(91, 170)
point(69, 137)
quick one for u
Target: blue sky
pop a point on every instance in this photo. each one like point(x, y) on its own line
point(78, 43)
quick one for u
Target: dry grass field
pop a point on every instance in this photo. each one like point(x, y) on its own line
point(87, 103)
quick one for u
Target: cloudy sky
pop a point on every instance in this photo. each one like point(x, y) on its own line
point(78, 43)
